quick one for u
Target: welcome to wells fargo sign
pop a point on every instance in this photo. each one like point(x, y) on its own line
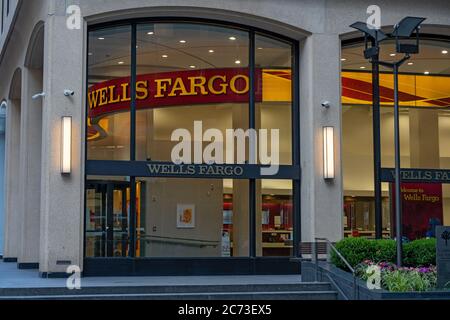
point(196, 87)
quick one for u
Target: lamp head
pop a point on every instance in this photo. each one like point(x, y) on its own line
point(375, 34)
point(406, 27)
point(404, 30)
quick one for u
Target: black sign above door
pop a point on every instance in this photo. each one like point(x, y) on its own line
point(417, 175)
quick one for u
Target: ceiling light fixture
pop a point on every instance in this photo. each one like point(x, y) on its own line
point(101, 38)
point(165, 56)
point(121, 62)
point(232, 38)
point(183, 41)
point(211, 51)
point(362, 67)
point(444, 51)
point(343, 59)
point(150, 33)
point(426, 73)
point(237, 62)
point(192, 67)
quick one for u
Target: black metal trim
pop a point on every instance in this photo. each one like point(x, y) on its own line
point(201, 21)
point(296, 140)
point(417, 175)
point(10, 260)
point(252, 125)
point(54, 275)
point(140, 169)
point(115, 267)
point(28, 266)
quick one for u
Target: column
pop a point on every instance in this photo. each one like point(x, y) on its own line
point(62, 197)
point(320, 80)
point(30, 170)
point(12, 217)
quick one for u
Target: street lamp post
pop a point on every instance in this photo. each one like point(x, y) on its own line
point(402, 31)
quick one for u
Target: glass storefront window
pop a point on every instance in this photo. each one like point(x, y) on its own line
point(195, 73)
point(192, 218)
point(424, 132)
point(275, 218)
point(108, 122)
point(274, 112)
point(189, 76)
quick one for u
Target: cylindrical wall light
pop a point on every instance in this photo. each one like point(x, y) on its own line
point(328, 153)
point(66, 145)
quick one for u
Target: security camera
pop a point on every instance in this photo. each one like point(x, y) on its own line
point(326, 104)
point(69, 93)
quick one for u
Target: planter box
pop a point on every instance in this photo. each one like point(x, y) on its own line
point(343, 282)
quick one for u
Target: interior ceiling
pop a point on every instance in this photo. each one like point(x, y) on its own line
point(169, 47)
point(432, 58)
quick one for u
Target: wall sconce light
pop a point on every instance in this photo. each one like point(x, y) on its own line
point(328, 153)
point(66, 145)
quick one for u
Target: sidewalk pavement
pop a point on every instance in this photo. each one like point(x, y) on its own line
point(11, 277)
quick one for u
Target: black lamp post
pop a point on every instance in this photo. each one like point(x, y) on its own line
point(402, 34)
point(372, 52)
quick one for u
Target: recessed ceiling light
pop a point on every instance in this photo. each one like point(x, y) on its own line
point(211, 51)
point(426, 73)
point(121, 62)
point(444, 51)
point(260, 48)
point(150, 33)
point(238, 62)
point(232, 38)
point(182, 41)
point(393, 54)
point(192, 67)
point(165, 56)
point(343, 59)
point(410, 63)
point(101, 38)
point(362, 67)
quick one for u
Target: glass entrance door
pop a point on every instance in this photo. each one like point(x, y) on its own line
point(107, 219)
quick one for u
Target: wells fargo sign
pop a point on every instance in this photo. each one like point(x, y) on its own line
point(173, 89)
point(184, 88)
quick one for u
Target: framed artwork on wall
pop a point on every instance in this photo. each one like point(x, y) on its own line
point(186, 216)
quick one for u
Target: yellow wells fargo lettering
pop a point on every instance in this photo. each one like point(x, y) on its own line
point(169, 88)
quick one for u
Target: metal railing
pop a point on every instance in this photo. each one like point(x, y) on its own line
point(331, 247)
point(179, 241)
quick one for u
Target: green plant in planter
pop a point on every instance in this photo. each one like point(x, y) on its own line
point(354, 250)
point(420, 253)
point(385, 251)
point(409, 280)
